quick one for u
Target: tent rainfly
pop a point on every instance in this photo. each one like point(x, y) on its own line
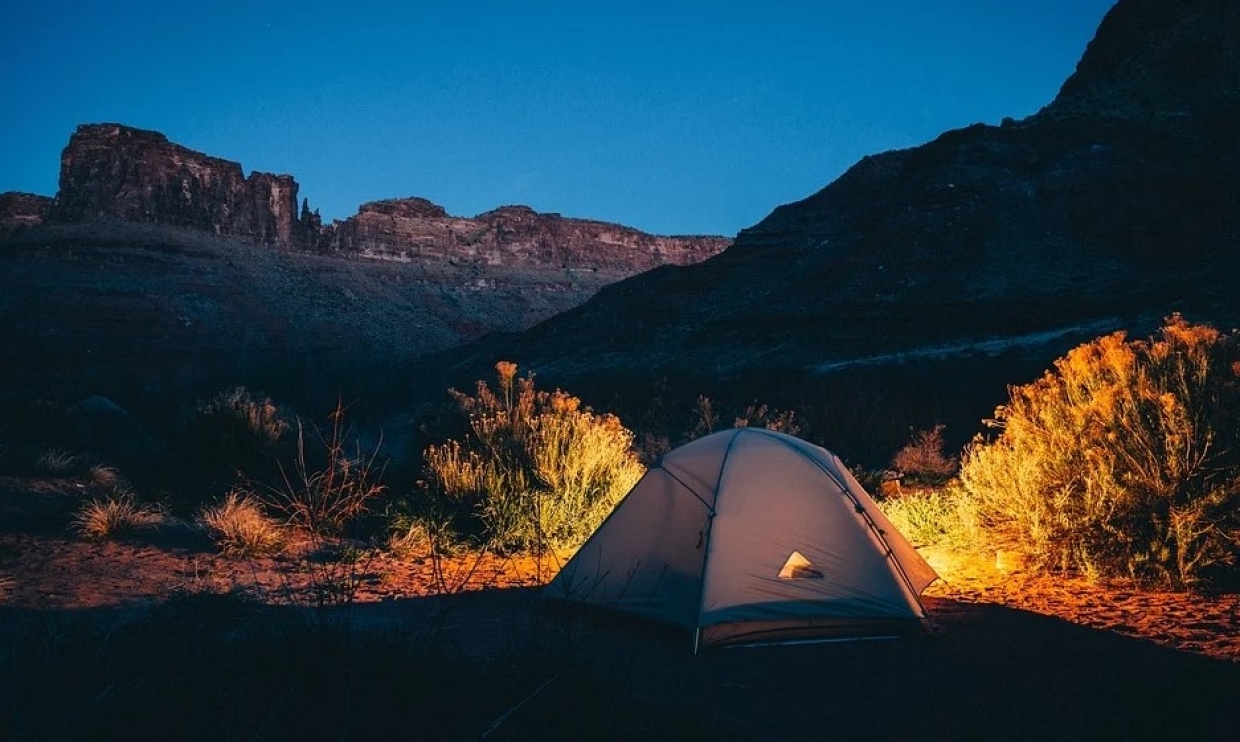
point(751, 536)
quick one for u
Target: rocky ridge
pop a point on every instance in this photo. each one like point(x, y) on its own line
point(116, 172)
point(416, 229)
point(921, 283)
point(1102, 209)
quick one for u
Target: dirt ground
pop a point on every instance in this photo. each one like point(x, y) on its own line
point(1012, 654)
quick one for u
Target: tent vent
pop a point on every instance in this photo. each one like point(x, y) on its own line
point(799, 568)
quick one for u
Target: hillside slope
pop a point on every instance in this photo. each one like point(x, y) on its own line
point(1115, 205)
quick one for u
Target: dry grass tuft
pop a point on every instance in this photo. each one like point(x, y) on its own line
point(240, 527)
point(58, 462)
point(117, 514)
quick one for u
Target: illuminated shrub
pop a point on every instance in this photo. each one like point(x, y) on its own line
point(1123, 460)
point(935, 516)
point(535, 470)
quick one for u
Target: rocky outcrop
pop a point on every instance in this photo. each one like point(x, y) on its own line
point(414, 229)
point(110, 171)
point(114, 172)
point(21, 211)
point(1157, 62)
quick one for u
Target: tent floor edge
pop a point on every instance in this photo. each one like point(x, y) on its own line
point(800, 631)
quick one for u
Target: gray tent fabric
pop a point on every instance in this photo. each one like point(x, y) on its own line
point(750, 534)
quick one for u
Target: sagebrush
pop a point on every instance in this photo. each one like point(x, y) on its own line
point(536, 470)
point(58, 462)
point(1122, 460)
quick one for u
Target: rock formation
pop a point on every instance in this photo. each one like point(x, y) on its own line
point(21, 211)
point(114, 172)
point(110, 171)
point(143, 278)
point(414, 229)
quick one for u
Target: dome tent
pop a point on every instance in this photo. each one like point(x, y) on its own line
point(751, 535)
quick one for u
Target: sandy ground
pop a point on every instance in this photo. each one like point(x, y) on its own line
point(42, 566)
point(1012, 655)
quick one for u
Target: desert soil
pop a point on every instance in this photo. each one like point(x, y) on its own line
point(1012, 653)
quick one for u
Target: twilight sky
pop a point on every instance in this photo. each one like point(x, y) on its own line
point(673, 117)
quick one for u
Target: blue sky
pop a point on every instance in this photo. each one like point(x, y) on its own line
point(676, 118)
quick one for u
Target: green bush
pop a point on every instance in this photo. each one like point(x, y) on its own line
point(1123, 460)
point(535, 470)
point(942, 516)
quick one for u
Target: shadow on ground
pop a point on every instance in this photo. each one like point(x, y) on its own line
point(504, 664)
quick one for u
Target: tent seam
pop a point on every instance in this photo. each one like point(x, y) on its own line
point(710, 529)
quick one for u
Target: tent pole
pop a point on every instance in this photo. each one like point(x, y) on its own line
point(697, 634)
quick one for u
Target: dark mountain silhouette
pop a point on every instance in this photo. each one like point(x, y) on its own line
point(1110, 208)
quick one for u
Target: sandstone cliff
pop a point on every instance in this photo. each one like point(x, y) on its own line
point(21, 211)
point(415, 229)
point(114, 172)
point(109, 171)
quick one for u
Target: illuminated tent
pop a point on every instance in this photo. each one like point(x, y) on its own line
point(749, 535)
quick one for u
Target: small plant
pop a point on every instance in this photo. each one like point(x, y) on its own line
point(323, 500)
point(932, 517)
point(116, 514)
point(238, 430)
point(761, 416)
point(923, 460)
point(239, 526)
point(58, 462)
point(706, 418)
point(105, 477)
